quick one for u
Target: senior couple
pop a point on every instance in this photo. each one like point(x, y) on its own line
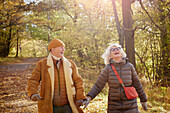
point(61, 87)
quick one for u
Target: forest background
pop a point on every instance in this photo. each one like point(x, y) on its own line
point(87, 27)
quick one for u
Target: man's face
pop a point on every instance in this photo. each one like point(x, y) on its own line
point(58, 51)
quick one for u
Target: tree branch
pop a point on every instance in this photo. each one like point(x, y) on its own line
point(67, 13)
point(149, 15)
point(145, 67)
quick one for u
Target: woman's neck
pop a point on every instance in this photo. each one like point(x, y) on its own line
point(117, 59)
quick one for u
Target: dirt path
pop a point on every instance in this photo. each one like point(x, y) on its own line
point(13, 87)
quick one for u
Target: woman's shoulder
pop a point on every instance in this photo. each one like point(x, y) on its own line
point(107, 67)
point(129, 64)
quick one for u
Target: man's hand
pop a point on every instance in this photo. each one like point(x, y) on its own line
point(36, 97)
point(144, 106)
point(87, 101)
point(79, 102)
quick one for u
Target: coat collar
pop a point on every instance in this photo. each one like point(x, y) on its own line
point(124, 60)
point(68, 79)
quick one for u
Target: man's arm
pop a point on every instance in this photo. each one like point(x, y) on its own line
point(78, 82)
point(34, 80)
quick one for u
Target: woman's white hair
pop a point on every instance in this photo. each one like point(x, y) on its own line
point(106, 55)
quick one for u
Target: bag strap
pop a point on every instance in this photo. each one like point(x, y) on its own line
point(117, 75)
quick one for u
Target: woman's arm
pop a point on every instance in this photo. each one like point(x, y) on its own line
point(138, 86)
point(100, 83)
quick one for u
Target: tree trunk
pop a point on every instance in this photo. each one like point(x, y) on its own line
point(128, 31)
point(121, 37)
point(9, 41)
point(165, 50)
point(17, 44)
point(6, 48)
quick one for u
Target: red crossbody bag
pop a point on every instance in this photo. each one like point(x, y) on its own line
point(129, 91)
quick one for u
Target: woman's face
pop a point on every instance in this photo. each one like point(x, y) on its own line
point(115, 52)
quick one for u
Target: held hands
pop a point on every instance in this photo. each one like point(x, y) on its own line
point(144, 106)
point(87, 101)
point(83, 102)
point(79, 103)
point(36, 97)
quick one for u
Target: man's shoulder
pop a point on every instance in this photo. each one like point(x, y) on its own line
point(73, 64)
point(71, 61)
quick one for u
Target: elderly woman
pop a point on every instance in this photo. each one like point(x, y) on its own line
point(117, 100)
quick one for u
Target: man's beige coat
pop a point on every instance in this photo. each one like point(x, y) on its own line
point(42, 76)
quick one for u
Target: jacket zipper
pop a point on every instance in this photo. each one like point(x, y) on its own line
point(58, 80)
point(121, 85)
point(121, 78)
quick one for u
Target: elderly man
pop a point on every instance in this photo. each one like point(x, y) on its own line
point(61, 87)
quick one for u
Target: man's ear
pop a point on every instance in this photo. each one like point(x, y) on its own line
point(52, 49)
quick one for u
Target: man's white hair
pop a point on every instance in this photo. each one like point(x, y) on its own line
point(106, 55)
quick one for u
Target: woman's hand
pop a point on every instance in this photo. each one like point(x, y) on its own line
point(79, 102)
point(87, 101)
point(144, 106)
